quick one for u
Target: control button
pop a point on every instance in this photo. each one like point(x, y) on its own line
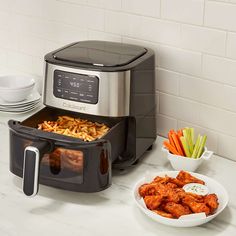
point(89, 95)
point(74, 93)
point(90, 88)
point(90, 81)
point(81, 94)
point(59, 90)
point(84, 100)
point(59, 83)
point(74, 98)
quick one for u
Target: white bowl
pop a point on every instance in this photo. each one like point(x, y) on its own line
point(188, 220)
point(15, 88)
point(187, 163)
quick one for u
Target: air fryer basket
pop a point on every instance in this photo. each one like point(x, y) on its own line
point(65, 162)
point(116, 135)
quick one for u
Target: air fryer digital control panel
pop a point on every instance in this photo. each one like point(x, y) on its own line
point(75, 87)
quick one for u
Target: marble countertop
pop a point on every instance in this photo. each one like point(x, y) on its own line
point(110, 212)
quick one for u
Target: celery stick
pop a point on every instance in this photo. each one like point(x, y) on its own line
point(187, 135)
point(192, 134)
point(185, 146)
point(196, 147)
point(190, 142)
point(201, 146)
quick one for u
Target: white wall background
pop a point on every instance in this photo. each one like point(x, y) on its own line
point(194, 40)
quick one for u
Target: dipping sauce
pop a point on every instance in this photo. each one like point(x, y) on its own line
point(196, 189)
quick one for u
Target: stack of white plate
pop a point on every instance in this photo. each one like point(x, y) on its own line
point(30, 103)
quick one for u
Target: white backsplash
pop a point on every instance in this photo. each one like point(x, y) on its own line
point(194, 41)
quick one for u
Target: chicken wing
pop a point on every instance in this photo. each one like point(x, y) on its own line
point(196, 207)
point(167, 192)
point(176, 209)
point(161, 180)
point(153, 202)
point(211, 201)
point(179, 183)
point(192, 197)
point(167, 180)
point(187, 178)
point(147, 189)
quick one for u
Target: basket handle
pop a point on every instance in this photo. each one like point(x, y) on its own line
point(32, 158)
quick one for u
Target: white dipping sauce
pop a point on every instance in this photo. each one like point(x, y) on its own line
point(196, 188)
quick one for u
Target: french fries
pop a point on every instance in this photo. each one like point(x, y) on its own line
point(75, 127)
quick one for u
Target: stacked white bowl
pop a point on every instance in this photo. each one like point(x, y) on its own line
point(15, 88)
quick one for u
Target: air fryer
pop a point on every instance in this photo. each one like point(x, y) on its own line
point(106, 82)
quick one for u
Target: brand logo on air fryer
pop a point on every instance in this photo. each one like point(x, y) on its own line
point(68, 105)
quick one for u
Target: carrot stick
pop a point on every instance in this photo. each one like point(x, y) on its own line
point(170, 148)
point(176, 141)
point(181, 145)
point(179, 135)
point(171, 139)
point(172, 131)
point(180, 132)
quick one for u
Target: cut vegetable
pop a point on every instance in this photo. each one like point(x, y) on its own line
point(192, 135)
point(187, 135)
point(181, 145)
point(180, 132)
point(171, 139)
point(176, 141)
point(185, 146)
point(196, 147)
point(182, 142)
point(170, 148)
point(201, 146)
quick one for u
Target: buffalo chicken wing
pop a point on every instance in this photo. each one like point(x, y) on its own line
point(176, 209)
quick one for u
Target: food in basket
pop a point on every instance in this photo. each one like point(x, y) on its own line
point(75, 127)
point(64, 159)
point(183, 143)
point(165, 196)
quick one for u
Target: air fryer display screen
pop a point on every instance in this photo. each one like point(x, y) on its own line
point(75, 87)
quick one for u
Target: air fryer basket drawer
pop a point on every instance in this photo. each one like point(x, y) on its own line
point(68, 163)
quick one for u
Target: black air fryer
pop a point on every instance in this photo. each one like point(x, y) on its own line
point(106, 82)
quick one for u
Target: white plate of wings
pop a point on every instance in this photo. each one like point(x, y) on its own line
point(189, 220)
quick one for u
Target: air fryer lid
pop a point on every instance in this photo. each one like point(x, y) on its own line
point(100, 53)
